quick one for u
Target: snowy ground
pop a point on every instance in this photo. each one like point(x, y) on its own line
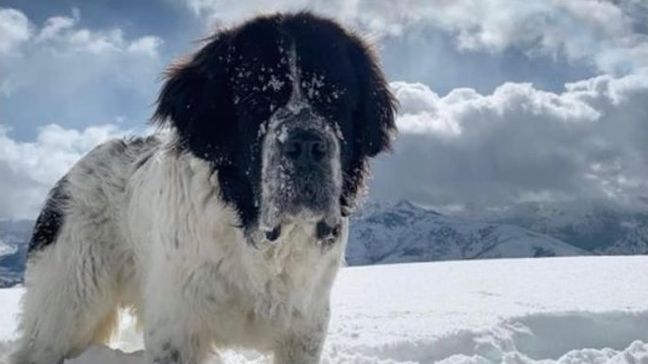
point(564, 310)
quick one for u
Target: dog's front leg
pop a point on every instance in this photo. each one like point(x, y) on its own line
point(174, 332)
point(173, 337)
point(302, 344)
point(166, 351)
point(169, 339)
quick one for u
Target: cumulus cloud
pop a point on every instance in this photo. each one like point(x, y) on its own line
point(15, 29)
point(520, 144)
point(65, 34)
point(29, 169)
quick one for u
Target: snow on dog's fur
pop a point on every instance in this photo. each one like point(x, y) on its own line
point(227, 228)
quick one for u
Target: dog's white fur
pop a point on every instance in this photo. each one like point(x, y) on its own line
point(159, 239)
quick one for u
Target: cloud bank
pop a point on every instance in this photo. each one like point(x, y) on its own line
point(520, 144)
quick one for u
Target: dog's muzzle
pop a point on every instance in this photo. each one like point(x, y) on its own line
point(308, 165)
point(301, 181)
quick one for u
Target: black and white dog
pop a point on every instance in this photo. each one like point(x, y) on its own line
point(227, 227)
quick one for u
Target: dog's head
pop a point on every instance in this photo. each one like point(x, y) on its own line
point(287, 109)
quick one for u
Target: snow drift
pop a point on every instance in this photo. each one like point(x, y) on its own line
point(522, 311)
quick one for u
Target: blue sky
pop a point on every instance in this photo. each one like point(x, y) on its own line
point(486, 116)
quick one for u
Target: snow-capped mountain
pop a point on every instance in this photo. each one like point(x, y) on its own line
point(405, 232)
point(14, 236)
point(596, 226)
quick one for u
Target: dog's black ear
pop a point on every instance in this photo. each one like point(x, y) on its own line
point(195, 100)
point(374, 116)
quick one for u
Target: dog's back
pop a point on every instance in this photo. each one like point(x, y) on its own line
point(93, 189)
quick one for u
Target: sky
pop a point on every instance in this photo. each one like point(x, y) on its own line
point(501, 101)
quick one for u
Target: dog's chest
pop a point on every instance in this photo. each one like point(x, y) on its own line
point(268, 292)
point(287, 273)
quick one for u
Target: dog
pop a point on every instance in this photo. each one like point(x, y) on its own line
point(226, 227)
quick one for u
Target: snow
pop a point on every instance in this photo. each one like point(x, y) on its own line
point(5, 249)
point(518, 311)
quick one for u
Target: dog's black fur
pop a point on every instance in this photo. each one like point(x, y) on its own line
point(50, 219)
point(220, 98)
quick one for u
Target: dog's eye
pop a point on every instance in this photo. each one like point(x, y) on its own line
point(257, 105)
point(334, 113)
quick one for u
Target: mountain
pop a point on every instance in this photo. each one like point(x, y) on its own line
point(405, 232)
point(597, 226)
point(14, 235)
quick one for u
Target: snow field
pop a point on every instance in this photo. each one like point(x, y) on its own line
point(519, 311)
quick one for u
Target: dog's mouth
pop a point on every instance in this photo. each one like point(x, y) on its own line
point(326, 232)
point(309, 201)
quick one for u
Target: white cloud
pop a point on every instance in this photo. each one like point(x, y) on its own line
point(54, 26)
point(29, 169)
point(520, 143)
point(148, 45)
point(423, 111)
point(61, 30)
point(14, 29)
point(64, 34)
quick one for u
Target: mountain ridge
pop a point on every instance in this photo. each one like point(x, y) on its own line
point(407, 232)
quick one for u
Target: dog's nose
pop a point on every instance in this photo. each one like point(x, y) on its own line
point(306, 146)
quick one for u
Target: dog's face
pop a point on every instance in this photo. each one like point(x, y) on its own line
point(287, 109)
